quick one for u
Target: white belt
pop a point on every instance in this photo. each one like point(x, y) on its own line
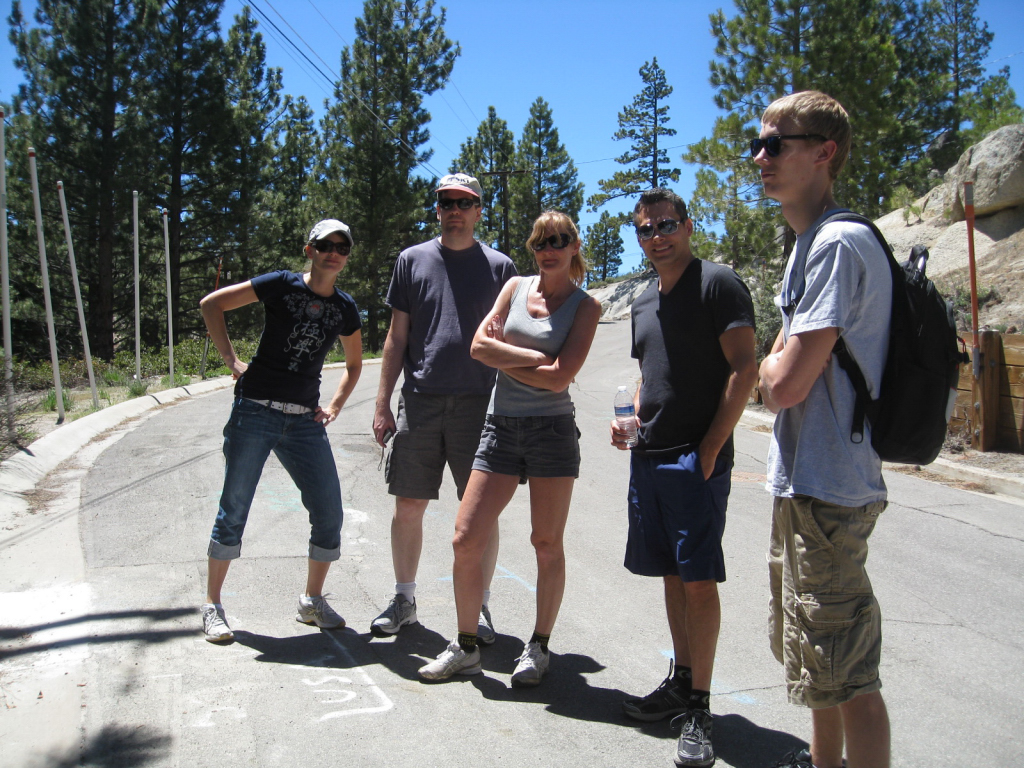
point(289, 408)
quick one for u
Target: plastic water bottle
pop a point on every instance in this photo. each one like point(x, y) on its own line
point(625, 415)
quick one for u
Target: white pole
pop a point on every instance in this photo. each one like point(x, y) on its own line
point(138, 331)
point(78, 295)
point(6, 290)
point(46, 287)
point(170, 320)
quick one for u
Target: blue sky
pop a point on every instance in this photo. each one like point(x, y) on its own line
point(582, 56)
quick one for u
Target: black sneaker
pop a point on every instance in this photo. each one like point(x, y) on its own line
point(694, 747)
point(796, 759)
point(669, 698)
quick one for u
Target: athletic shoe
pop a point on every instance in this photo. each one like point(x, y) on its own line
point(797, 759)
point(215, 626)
point(398, 613)
point(452, 661)
point(485, 628)
point(531, 667)
point(694, 747)
point(668, 699)
point(315, 610)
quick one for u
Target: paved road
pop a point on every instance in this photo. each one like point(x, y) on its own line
point(103, 654)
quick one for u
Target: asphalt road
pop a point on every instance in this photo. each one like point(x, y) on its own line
point(101, 620)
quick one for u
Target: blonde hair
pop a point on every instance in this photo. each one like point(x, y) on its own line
point(558, 221)
point(815, 112)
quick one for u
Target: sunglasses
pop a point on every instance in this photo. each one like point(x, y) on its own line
point(463, 203)
point(556, 242)
point(773, 144)
point(329, 246)
point(665, 227)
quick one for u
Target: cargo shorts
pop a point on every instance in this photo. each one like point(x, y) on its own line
point(824, 622)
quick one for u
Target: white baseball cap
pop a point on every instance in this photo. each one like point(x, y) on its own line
point(326, 227)
point(460, 181)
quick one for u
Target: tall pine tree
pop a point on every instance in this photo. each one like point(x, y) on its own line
point(602, 244)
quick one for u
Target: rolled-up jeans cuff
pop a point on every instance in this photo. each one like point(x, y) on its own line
point(219, 551)
point(321, 555)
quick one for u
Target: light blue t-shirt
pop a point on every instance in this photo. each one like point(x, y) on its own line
point(843, 283)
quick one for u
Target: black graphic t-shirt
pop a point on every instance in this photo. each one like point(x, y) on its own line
point(298, 332)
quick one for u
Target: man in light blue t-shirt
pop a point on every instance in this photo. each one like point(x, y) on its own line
point(828, 491)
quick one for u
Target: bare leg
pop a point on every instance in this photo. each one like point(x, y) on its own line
point(407, 537)
point(827, 737)
point(315, 577)
point(491, 556)
point(549, 510)
point(866, 727)
point(486, 496)
point(216, 572)
point(697, 604)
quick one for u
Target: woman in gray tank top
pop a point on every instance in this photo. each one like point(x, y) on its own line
point(537, 336)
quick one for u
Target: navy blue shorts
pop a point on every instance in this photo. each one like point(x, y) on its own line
point(529, 446)
point(676, 517)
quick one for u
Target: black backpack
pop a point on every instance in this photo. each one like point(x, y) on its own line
point(911, 415)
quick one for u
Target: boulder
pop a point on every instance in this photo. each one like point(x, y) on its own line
point(996, 166)
point(617, 299)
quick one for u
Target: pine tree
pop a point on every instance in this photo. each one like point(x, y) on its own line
point(992, 105)
point(602, 244)
point(292, 174)
point(550, 182)
point(644, 123)
point(491, 151)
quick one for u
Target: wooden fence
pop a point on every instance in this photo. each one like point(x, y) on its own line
point(991, 410)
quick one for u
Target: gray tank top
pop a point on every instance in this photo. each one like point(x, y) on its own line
point(544, 334)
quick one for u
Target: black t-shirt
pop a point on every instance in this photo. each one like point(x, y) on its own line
point(299, 331)
point(676, 340)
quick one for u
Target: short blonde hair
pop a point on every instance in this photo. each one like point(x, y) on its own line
point(815, 112)
point(558, 221)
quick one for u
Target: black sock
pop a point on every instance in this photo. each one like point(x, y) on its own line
point(700, 699)
point(467, 641)
point(542, 639)
point(683, 676)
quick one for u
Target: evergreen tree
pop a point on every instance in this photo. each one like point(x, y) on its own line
point(493, 149)
point(644, 123)
point(550, 181)
point(292, 173)
point(602, 244)
point(992, 105)
point(373, 136)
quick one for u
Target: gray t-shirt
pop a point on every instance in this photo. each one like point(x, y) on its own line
point(446, 294)
point(544, 334)
point(843, 283)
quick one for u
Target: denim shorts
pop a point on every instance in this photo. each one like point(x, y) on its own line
point(676, 517)
point(824, 624)
point(300, 443)
point(434, 430)
point(529, 446)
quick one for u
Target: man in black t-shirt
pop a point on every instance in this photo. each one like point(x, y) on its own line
point(693, 333)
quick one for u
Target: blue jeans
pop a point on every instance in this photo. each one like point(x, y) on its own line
point(301, 445)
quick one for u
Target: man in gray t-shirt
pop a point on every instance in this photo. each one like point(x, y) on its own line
point(825, 625)
point(440, 292)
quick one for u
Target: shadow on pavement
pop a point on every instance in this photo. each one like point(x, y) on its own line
point(116, 746)
point(744, 744)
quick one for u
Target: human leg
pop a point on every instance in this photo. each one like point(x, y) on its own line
point(549, 510)
point(827, 737)
point(866, 728)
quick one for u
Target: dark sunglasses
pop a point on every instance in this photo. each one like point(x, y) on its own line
point(557, 242)
point(329, 246)
point(463, 203)
point(665, 227)
point(773, 144)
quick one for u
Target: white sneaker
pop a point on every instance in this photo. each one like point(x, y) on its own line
point(316, 610)
point(215, 626)
point(452, 661)
point(532, 666)
point(400, 611)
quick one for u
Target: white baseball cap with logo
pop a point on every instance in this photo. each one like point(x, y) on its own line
point(460, 181)
point(323, 228)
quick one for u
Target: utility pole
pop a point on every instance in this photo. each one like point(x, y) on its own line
point(503, 181)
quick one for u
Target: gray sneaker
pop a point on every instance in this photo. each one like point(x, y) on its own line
point(485, 628)
point(531, 667)
point(694, 747)
point(452, 661)
point(398, 613)
point(215, 626)
point(315, 610)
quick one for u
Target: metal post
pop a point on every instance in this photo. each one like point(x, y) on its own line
point(170, 316)
point(138, 330)
point(58, 390)
point(6, 290)
point(78, 295)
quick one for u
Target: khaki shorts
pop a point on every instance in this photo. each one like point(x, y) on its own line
point(825, 624)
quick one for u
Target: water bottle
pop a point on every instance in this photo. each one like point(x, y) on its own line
point(625, 415)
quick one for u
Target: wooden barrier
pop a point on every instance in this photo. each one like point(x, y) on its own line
point(1003, 429)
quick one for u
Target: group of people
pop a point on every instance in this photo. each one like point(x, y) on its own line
point(487, 357)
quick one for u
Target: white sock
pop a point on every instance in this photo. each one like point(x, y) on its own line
point(408, 589)
point(487, 596)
